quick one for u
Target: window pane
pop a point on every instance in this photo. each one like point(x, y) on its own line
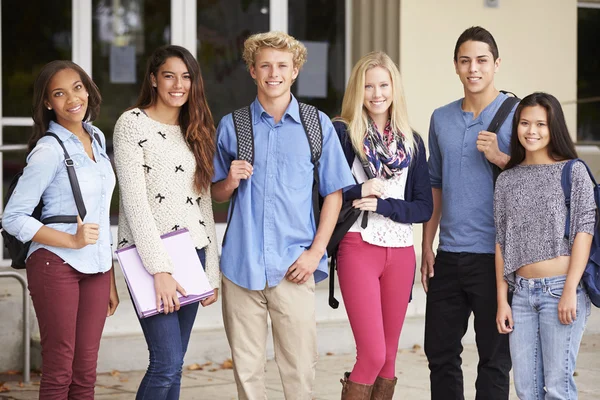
point(222, 28)
point(321, 25)
point(32, 35)
point(125, 33)
point(13, 161)
point(588, 75)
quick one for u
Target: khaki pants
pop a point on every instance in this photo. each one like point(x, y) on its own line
point(292, 311)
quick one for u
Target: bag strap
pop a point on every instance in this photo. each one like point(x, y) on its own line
point(503, 112)
point(309, 116)
point(566, 183)
point(72, 178)
point(244, 134)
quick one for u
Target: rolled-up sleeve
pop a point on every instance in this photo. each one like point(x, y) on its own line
point(435, 156)
point(223, 157)
point(42, 165)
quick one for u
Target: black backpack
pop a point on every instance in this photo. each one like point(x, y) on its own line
point(17, 249)
point(309, 115)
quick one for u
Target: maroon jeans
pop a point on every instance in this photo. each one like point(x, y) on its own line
point(71, 310)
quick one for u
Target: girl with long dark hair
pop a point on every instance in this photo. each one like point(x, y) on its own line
point(69, 265)
point(164, 147)
point(543, 268)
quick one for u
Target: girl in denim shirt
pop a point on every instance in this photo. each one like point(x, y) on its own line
point(69, 266)
point(550, 307)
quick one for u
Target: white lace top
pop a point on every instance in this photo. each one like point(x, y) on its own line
point(380, 230)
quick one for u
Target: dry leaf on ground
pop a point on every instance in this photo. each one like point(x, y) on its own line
point(329, 353)
point(115, 373)
point(227, 364)
point(195, 367)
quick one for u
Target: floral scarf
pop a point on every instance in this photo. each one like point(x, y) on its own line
point(385, 153)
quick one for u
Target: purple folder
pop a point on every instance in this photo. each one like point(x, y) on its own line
point(188, 273)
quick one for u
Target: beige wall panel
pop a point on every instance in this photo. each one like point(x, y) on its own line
point(537, 40)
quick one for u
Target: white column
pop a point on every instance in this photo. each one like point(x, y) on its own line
point(183, 24)
point(82, 34)
point(278, 15)
point(348, 40)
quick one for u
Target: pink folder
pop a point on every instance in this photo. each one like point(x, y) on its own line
point(188, 273)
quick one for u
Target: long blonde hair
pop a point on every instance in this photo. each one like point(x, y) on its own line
point(355, 115)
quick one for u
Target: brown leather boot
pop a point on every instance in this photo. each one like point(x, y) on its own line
point(355, 391)
point(383, 389)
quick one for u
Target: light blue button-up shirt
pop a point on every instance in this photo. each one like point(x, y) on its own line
point(45, 176)
point(273, 221)
point(465, 176)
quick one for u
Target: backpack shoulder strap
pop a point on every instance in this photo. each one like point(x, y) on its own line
point(502, 113)
point(72, 177)
point(244, 134)
point(566, 183)
point(309, 115)
point(242, 123)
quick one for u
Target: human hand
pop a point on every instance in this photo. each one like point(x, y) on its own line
point(302, 269)
point(504, 320)
point(372, 187)
point(427, 261)
point(113, 298)
point(166, 288)
point(210, 299)
point(86, 234)
point(365, 204)
point(567, 307)
point(238, 170)
point(487, 143)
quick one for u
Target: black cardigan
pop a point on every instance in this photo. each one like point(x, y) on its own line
point(417, 205)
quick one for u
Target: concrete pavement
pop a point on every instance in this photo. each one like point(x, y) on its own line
point(215, 382)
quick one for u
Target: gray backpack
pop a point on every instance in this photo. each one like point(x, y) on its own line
point(309, 115)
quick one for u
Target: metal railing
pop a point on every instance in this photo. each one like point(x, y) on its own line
point(26, 324)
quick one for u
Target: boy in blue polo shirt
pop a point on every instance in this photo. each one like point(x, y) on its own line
point(462, 278)
point(274, 253)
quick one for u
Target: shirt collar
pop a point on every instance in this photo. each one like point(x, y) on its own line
point(64, 134)
point(292, 111)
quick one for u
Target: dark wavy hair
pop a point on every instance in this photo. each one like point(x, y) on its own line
point(195, 118)
point(477, 34)
point(561, 145)
point(41, 115)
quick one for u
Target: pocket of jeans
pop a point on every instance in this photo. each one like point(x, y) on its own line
point(556, 290)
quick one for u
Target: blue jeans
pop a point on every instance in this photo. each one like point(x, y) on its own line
point(543, 350)
point(167, 337)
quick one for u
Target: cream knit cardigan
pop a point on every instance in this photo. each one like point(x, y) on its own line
point(155, 168)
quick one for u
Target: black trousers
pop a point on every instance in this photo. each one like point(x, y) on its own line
point(464, 282)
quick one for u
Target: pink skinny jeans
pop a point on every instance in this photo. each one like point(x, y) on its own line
point(375, 283)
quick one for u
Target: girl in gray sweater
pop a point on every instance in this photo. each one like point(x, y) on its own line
point(541, 267)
